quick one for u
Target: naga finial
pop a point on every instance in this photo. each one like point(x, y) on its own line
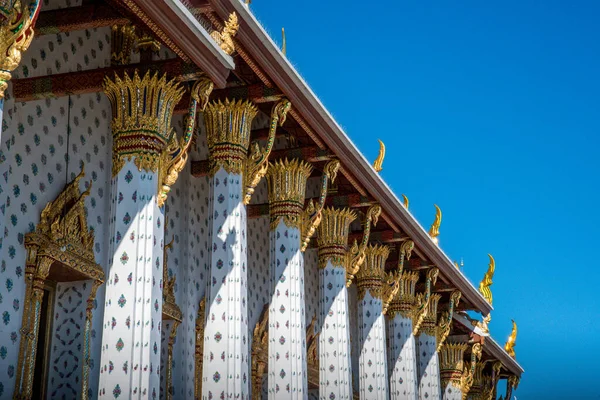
point(225, 38)
point(283, 42)
point(486, 282)
point(405, 201)
point(434, 231)
point(377, 164)
point(512, 339)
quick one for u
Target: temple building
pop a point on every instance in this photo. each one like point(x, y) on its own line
point(181, 218)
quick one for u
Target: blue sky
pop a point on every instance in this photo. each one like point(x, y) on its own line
point(491, 112)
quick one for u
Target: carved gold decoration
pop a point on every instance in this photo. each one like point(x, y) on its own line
point(333, 236)
point(445, 324)
point(484, 286)
point(199, 349)
point(228, 134)
point(405, 301)
point(146, 42)
point(370, 277)
point(175, 155)
point(283, 42)
point(260, 352)
point(142, 109)
point(512, 339)
point(434, 231)
point(452, 364)
point(311, 217)
point(16, 34)
point(490, 382)
point(423, 300)
point(121, 43)
point(357, 252)
point(286, 182)
point(467, 377)
point(405, 201)
point(512, 382)
point(225, 38)
point(378, 163)
point(258, 160)
point(399, 284)
point(477, 388)
point(481, 327)
point(312, 353)
point(61, 245)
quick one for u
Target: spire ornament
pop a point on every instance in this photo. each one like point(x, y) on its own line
point(434, 231)
point(405, 201)
point(283, 42)
point(486, 282)
point(312, 213)
point(512, 339)
point(377, 164)
point(357, 252)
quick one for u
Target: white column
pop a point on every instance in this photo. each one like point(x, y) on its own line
point(287, 370)
point(427, 355)
point(373, 377)
point(335, 364)
point(225, 365)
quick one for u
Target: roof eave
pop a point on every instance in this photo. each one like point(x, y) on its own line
point(266, 53)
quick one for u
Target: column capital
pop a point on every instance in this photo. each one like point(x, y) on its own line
point(423, 300)
point(404, 302)
point(452, 363)
point(333, 236)
point(228, 126)
point(357, 252)
point(445, 324)
point(286, 181)
point(370, 277)
point(428, 323)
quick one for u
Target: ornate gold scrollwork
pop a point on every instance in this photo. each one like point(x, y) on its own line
point(434, 230)
point(512, 382)
point(476, 390)
point(484, 286)
point(333, 236)
point(16, 34)
point(286, 182)
point(258, 160)
point(225, 38)
point(121, 43)
point(228, 127)
point(403, 300)
point(467, 377)
point(371, 275)
point(357, 252)
point(512, 340)
point(199, 350)
point(423, 300)
point(445, 325)
point(175, 154)
point(452, 364)
point(490, 382)
point(311, 216)
point(142, 109)
point(378, 163)
point(61, 241)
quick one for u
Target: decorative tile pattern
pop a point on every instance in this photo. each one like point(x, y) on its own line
point(373, 382)
point(403, 362)
point(335, 371)
point(226, 344)
point(287, 329)
point(428, 367)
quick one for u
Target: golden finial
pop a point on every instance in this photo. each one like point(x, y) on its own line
point(510, 343)
point(405, 200)
point(377, 164)
point(456, 265)
point(484, 286)
point(225, 38)
point(283, 44)
point(434, 231)
point(248, 2)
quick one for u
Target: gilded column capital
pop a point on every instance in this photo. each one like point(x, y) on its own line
point(468, 375)
point(423, 300)
point(142, 109)
point(445, 324)
point(228, 127)
point(286, 182)
point(16, 34)
point(357, 252)
point(452, 363)
point(258, 160)
point(313, 213)
point(405, 301)
point(333, 236)
point(371, 275)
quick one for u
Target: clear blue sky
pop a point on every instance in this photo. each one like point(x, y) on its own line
point(492, 112)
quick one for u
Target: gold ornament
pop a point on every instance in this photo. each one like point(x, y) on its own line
point(311, 217)
point(512, 382)
point(468, 375)
point(225, 38)
point(333, 236)
point(452, 364)
point(260, 352)
point(142, 109)
point(484, 286)
point(121, 43)
point(286, 182)
point(16, 34)
point(377, 164)
point(512, 339)
point(434, 231)
point(445, 325)
point(199, 351)
point(405, 201)
point(175, 155)
point(228, 127)
point(61, 246)
point(423, 300)
point(258, 160)
point(357, 252)
point(371, 275)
